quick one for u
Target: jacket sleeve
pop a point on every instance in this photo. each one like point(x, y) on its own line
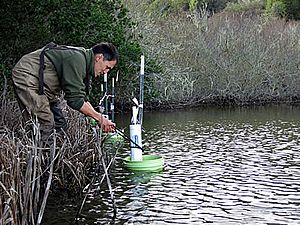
point(72, 80)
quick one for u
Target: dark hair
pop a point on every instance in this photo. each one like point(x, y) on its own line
point(108, 50)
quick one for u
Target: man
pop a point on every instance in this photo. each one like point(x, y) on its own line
point(40, 78)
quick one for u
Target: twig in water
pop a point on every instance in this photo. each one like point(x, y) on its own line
point(105, 175)
point(51, 162)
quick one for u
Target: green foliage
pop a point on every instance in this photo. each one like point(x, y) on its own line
point(279, 9)
point(269, 4)
point(217, 5)
point(193, 4)
point(164, 6)
point(276, 8)
point(283, 8)
point(292, 9)
point(27, 25)
point(245, 6)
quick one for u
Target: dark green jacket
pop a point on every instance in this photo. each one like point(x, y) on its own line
point(73, 66)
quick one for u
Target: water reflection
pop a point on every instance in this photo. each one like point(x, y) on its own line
point(222, 167)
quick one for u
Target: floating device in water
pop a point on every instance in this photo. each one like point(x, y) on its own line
point(150, 163)
point(137, 161)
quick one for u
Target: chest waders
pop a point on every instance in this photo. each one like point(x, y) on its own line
point(60, 121)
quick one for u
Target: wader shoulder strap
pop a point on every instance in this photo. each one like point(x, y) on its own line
point(42, 66)
point(87, 78)
point(52, 45)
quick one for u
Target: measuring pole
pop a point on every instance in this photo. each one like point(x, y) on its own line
point(101, 106)
point(141, 89)
point(112, 104)
point(135, 127)
point(105, 92)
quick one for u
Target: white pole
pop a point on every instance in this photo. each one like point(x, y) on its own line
point(141, 89)
point(101, 106)
point(112, 105)
point(105, 91)
point(135, 128)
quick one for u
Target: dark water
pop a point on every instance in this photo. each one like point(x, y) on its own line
point(227, 166)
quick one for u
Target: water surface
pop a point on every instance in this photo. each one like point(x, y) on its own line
point(222, 166)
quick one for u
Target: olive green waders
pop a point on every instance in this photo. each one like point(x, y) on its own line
point(33, 105)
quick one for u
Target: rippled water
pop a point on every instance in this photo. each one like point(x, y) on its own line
point(221, 167)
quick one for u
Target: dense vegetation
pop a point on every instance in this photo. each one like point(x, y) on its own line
point(286, 8)
point(30, 171)
point(238, 56)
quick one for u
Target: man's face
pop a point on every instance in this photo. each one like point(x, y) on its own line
point(103, 66)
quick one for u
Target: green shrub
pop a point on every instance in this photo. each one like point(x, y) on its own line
point(245, 6)
point(292, 9)
point(276, 8)
point(289, 9)
point(164, 6)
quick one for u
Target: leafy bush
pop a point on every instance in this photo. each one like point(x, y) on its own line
point(245, 6)
point(163, 6)
point(276, 8)
point(283, 8)
point(293, 9)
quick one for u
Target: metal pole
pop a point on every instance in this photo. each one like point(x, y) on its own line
point(101, 107)
point(105, 91)
point(112, 104)
point(141, 89)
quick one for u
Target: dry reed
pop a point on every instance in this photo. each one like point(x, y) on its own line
point(29, 170)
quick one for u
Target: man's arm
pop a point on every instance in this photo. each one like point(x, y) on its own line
point(88, 110)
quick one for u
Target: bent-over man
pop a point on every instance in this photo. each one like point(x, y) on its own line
point(41, 76)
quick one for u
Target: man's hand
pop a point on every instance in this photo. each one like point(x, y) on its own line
point(106, 124)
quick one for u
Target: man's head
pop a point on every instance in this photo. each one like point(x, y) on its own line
point(106, 57)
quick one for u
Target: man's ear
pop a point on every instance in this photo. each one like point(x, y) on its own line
point(99, 57)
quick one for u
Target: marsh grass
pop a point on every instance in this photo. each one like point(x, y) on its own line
point(30, 171)
point(227, 58)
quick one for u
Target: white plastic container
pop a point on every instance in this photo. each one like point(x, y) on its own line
point(136, 153)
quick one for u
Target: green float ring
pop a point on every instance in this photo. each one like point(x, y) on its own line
point(150, 163)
